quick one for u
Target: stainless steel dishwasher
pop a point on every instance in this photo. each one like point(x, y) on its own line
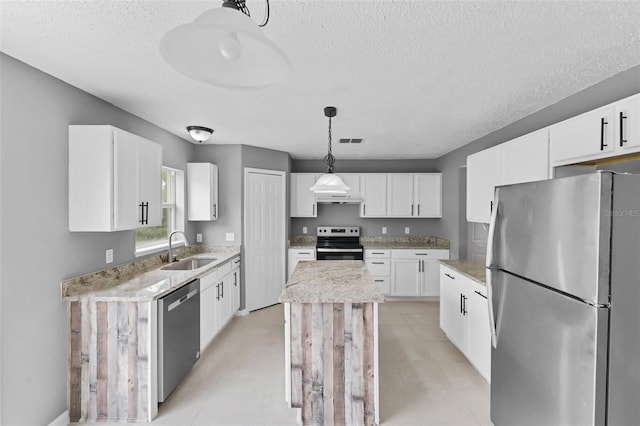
point(178, 336)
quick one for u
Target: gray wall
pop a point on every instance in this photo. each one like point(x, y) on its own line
point(348, 214)
point(617, 87)
point(37, 250)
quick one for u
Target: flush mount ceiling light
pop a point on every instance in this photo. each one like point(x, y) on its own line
point(329, 183)
point(225, 47)
point(200, 133)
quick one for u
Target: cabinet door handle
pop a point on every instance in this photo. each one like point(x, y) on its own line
point(419, 265)
point(215, 211)
point(364, 209)
point(146, 215)
point(603, 123)
point(418, 209)
point(622, 139)
point(141, 205)
point(313, 210)
point(235, 279)
point(461, 302)
point(453, 278)
point(464, 305)
point(490, 206)
point(218, 291)
point(480, 294)
point(411, 209)
point(222, 291)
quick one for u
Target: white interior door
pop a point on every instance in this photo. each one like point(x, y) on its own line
point(264, 237)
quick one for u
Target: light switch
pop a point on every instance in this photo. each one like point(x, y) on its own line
point(198, 238)
point(231, 236)
point(384, 229)
point(406, 230)
point(109, 256)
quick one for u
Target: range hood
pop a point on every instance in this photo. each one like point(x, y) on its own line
point(338, 198)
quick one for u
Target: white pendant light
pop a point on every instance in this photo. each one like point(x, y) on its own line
point(225, 47)
point(330, 183)
point(199, 133)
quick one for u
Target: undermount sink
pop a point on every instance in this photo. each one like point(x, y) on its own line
point(189, 264)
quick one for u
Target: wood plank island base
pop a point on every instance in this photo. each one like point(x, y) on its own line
point(331, 339)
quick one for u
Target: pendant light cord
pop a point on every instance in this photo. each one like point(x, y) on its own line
point(329, 159)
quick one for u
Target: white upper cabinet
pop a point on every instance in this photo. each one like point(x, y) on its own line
point(524, 159)
point(609, 131)
point(374, 195)
point(202, 191)
point(303, 201)
point(352, 180)
point(415, 195)
point(482, 177)
point(627, 130)
point(115, 180)
point(401, 195)
point(427, 195)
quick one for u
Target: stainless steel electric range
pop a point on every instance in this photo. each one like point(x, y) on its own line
point(339, 243)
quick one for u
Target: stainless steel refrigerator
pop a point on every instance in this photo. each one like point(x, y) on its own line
point(563, 278)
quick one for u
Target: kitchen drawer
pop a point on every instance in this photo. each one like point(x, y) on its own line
point(225, 269)
point(383, 283)
point(423, 254)
point(235, 262)
point(303, 254)
point(378, 267)
point(373, 253)
point(208, 280)
point(450, 275)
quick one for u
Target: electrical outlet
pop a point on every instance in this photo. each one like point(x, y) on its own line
point(109, 255)
point(384, 229)
point(231, 236)
point(406, 230)
point(304, 229)
point(198, 238)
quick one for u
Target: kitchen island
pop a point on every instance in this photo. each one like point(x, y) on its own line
point(331, 342)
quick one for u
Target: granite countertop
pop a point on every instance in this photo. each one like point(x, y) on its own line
point(331, 281)
point(143, 280)
point(469, 268)
point(379, 242)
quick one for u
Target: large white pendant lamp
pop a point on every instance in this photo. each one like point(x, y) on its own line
point(330, 183)
point(226, 48)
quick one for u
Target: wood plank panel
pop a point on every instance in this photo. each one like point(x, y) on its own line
point(327, 360)
point(74, 359)
point(132, 352)
point(307, 384)
point(112, 360)
point(102, 353)
point(122, 364)
point(317, 364)
point(296, 355)
point(338, 363)
point(357, 379)
point(144, 347)
point(348, 339)
point(84, 363)
point(368, 367)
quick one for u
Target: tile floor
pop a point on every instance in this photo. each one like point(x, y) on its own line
point(424, 379)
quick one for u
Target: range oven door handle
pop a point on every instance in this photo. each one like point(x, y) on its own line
point(334, 250)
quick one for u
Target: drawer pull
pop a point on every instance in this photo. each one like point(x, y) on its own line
point(377, 263)
point(379, 281)
point(422, 254)
point(377, 252)
point(453, 278)
point(480, 294)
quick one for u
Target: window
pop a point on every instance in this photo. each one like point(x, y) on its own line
point(157, 238)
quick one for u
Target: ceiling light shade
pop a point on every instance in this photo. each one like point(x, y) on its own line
point(329, 183)
point(199, 133)
point(224, 47)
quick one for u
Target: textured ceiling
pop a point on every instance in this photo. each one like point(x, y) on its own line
point(415, 79)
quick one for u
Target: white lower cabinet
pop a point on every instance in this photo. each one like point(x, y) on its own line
point(464, 318)
point(235, 264)
point(208, 294)
point(295, 255)
point(416, 272)
point(378, 263)
point(219, 299)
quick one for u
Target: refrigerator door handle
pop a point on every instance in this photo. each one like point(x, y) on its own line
point(489, 265)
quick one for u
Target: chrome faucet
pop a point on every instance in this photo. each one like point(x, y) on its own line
point(171, 257)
